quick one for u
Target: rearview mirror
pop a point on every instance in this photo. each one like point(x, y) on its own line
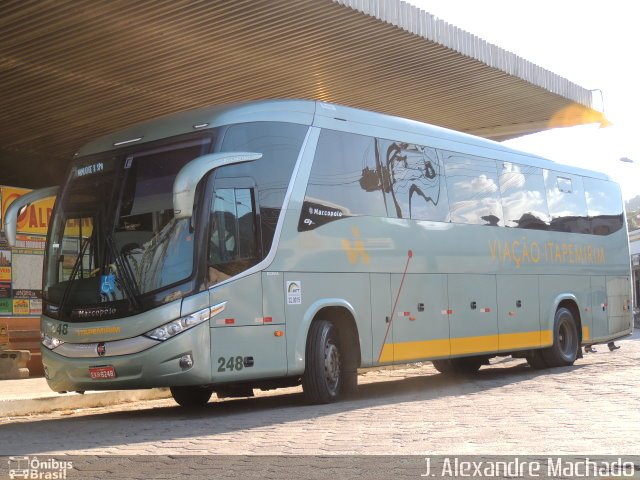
point(184, 186)
point(14, 210)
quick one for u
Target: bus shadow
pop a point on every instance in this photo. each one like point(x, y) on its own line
point(104, 433)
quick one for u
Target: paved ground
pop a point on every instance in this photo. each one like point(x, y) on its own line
point(591, 408)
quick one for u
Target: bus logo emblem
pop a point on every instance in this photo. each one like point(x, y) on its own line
point(101, 349)
point(294, 293)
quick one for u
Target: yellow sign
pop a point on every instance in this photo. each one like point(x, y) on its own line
point(522, 252)
point(21, 306)
point(5, 274)
point(35, 218)
point(83, 332)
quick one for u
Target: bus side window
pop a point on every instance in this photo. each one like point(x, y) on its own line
point(346, 180)
point(523, 196)
point(567, 204)
point(472, 186)
point(233, 241)
point(604, 205)
point(279, 143)
point(416, 181)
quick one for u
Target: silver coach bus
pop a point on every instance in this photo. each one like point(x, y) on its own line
point(287, 242)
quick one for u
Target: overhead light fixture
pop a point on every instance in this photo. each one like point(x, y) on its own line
point(124, 142)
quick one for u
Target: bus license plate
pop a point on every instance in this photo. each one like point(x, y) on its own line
point(102, 373)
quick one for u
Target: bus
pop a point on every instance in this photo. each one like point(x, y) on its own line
point(292, 242)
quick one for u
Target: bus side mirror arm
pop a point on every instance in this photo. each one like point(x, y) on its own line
point(184, 186)
point(14, 210)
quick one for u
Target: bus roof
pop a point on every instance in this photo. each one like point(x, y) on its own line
point(309, 112)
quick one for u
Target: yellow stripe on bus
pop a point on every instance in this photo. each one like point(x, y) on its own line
point(427, 348)
point(407, 351)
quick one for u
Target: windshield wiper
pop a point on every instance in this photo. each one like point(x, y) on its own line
point(125, 272)
point(74, 272)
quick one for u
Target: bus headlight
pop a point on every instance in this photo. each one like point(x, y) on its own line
point(173, 328)
point(50, 342)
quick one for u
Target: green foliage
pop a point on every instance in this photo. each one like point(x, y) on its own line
point(633, 213)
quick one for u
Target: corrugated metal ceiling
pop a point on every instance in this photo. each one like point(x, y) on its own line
point(75, 70)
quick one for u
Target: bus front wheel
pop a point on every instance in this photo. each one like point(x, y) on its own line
point(564, 350)
point(323, 374)
point(192, 396)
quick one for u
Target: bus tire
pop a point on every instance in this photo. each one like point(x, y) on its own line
point(536, 360)
point(323, 375)
point(459, 366)
point(564, 350)
point(192, 396)
point(349, 383)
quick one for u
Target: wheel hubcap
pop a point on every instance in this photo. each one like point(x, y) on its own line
point(565, 340)
point(331, 365)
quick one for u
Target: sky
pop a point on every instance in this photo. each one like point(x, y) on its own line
point(591, 43)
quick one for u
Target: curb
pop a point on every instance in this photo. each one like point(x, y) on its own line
point(32, 406)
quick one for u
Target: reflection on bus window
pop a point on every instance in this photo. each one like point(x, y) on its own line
point(567, 204)
point(524, 201)
point(416, 176)
point(346, 179)
point(233, 245)
point(76, 237)
point(472, 186)
point(279, 143)
point(603, 205)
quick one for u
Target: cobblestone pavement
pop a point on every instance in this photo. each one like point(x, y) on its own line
point(590, 408)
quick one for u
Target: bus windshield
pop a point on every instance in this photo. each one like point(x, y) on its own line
point(114, 236)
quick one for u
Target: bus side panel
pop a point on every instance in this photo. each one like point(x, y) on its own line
point(420, 321)
point(600, 326)
point(619, 305)
point(307, 293)
point(381, 330)
point(243, 347)
point(518, 312)
point(248, 352)
point(554, 289)
point(473, 318)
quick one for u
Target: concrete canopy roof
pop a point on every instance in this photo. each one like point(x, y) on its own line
point(72, 71)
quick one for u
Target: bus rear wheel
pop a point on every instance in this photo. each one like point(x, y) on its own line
point(192, 396)
point(459, 366)
point(564, 350)
point(323, 375)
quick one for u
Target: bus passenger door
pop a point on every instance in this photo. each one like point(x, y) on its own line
point(473, 317)
point(243, 345)
point(247, 341)
point(420, 322)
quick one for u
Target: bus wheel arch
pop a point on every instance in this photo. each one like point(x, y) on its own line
point(566, 336)
point(550, 356)
point(572, 305)
point(332, 342)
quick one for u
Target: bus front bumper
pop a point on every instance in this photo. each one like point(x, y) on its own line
point(158, 366)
